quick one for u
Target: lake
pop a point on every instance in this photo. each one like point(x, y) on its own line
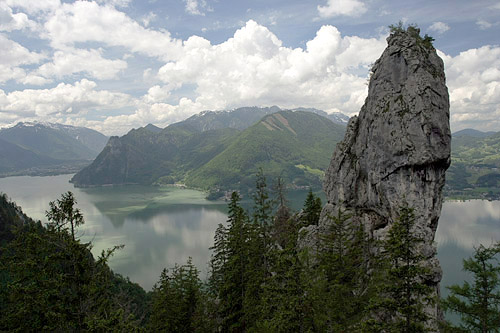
point(161, 226)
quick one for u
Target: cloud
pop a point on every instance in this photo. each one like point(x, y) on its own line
point(117, 3)
point(10, 21)
point(86, 22)
point(12, 57)
point(473, 79)
point(76, 99)
point(34, 6)
point(147, 19)
point(439, 27)
point(89, 62)
point(334, 8)
point(483, 25)
point(197, 7)
point(253, 68)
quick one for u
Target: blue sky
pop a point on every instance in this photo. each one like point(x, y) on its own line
point(117, 64)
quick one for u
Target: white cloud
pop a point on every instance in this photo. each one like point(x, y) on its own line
point(12, 56)
point(483, 25)
point(342, 8)
point(253, 68)
point(439, 27)
point(34, 6)
point(473, 79)
point(83, 21)
point(10, 21)
point(117, 3)
point(90, 62)
point(147, 19)
point(197, 7)
point(80, 98)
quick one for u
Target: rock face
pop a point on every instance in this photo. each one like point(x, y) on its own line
point(398, 149)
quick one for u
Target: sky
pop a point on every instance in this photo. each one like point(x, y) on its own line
point(114, 65)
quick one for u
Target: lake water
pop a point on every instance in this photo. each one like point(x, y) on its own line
point(161, 226)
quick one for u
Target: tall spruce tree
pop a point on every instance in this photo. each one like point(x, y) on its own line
point(478, 303)
point(229, 268)
point(342, 275)
point(402, 292)
point(176, 300)
point(312, 209)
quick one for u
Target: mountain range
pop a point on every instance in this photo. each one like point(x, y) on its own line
point(41, 148)
point(221, 150)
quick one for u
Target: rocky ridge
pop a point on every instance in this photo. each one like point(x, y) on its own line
point(397, 150)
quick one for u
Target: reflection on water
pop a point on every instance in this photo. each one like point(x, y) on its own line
point(158, 226)
point(462, 226)
point(163, 226)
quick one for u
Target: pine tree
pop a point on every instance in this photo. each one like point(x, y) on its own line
point(402, 293)
point(478, 303)
point(63, 213)
point(312, 209)
point(342, 275)
point(176, 300)
point(229, 268)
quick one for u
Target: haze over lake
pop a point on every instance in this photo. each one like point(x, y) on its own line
point(161, 226)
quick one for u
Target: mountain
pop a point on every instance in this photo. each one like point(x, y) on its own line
point(295, 145)
point(475, 167)
point(210, 149)
point(336, 117)
point(145, 157)
point(45, 145)
point(14, 157)
point(469, 132)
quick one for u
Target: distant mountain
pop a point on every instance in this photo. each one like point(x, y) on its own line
point(14, 157)
point(239, 119)
point(336, 117)
point(213, 149)
point(45, 145)
point(475, 166)
point(469, 132)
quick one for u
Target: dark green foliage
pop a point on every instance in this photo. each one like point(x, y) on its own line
point(478, 303)
point(402, 293)
point(176, 300)
point(312, 209)
point(51, 282)
point(343, 281)
point(230, 270)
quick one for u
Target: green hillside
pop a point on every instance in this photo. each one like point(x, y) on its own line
point(146, 157)
point(296, 145)
point(475, 167)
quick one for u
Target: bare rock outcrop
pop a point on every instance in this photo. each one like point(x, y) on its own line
point(397, 150)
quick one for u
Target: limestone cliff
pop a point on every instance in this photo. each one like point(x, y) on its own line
point(398, 149)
